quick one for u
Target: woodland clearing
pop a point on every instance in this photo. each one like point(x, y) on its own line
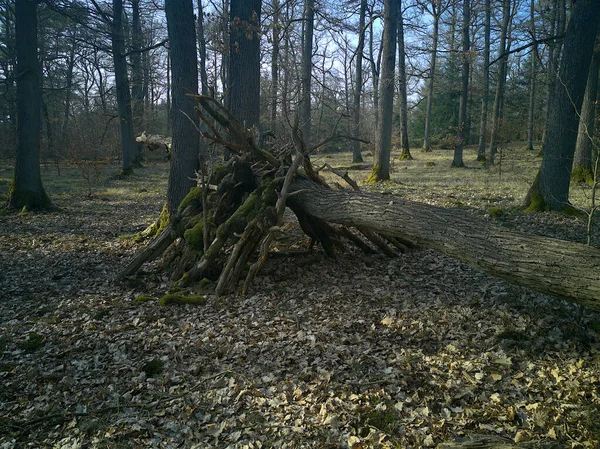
point(362, 351)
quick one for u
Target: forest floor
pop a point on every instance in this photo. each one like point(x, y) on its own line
point(362, 351)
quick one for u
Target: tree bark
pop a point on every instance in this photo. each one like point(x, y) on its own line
point(485, 96)
point(501, 83)
point(532, 76)
point(358, 83)
point(275, 64)
point(381, 162)
point(26, 190)
point(184, 72)
point(550, 190)
point(430, 85)
point(122, 88)
point(464, 94)
point(306, 75)
point(563, 269)
point(403, 97)
point(202, 49)
point(583, 160)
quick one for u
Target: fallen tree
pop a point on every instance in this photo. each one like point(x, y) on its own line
point(225, 234)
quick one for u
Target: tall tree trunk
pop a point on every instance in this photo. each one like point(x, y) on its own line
point(381, 162)
point(430, 84)
point(403, 98)
point(464, 94)
point(137, 77)
point(501, 83)
point(122, 87)
point(485, 95)
point(584, 156)
point(532, 76)
point(275, 64)
point(306, 75)
point(26, 190)
point(285, 89)
point(225, 54)
point(550, 189)
point(169, 102)
point(375, 69)
point(69, 81)
point(184, 71)
point(202, 49)
point(358, 83)
point(243, 95)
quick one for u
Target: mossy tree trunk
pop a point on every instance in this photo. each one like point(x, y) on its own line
point(27, 190)
point(550, 191)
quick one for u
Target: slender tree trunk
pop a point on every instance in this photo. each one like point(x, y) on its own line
point(69, 82)
point(184, 71)
point(26, 190)
point(430, 84)
point(403, 98)
point(501, 83)
point(137, 75)
point(202, 49)
point(485, 96)
point(122, 88)
point(275, 65)
point(375, 66)
point(584, 155)
point(464, 94)
point(285, 102)
point(381, 163)
point(306, 75)
point(226, 48)
point(550, 190)
point(169, 103)
point(532, 76)
point(358, 83)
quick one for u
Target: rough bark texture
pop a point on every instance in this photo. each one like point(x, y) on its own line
point(430, 84)
point(306, 78)
point(485, 95)
point(275, 64)
point(551, 189)
point(582, 163)
point(501, 83)
point(184, 71)
point(532, 75)
point(356, 152)
point(122, 88)
point(27, 190)
point(464, 94)
point(403, 97)
point(567, 270)
point(243, 90)
point(381, 163)
point(202, 49)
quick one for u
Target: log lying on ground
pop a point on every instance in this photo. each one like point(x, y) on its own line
point(565, 269)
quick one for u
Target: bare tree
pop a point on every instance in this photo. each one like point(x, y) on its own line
point(304, 112)
point(403, 98)
point(464, 94)
point(485, 95)
point(381, 163)
point(27, 190)
point(532, 76)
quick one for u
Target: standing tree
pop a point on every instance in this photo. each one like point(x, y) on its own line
point(304, 112)
point(275, 63)
point(26, 190)
point(485, 94)
point(403, 98)
point(358, 83)
point(583, 161)
point(243, 90)
point(202, 50)
point(436, 8)
point(550, 190)
point(184, 74)
point(498, 109)
point(381, 163)
point(533, 67)
point(464, 94)
point(137, 76)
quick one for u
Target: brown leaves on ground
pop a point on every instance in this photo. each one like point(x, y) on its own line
point(363, 351)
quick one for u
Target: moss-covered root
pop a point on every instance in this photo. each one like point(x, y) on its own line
point(179, 299)
point(405, 155)
point(28, 200)
point(582, 175)
point(159, 225)
point(534, 201)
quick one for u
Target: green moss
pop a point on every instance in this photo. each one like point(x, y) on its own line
point(143, 298)
point(246, 212)
point(194, 237)
point(176, 289)
point(33, 343)
point(536, 201)
point(495, 211)
point(193, 198)
point(582, 175)
point(595, 326)
point(375, 175)
point(405, 156)
point(177, 299)
point(217, 174)
point(153, 367)
point(28, 200)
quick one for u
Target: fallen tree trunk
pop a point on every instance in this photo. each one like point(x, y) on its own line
point(565, 269)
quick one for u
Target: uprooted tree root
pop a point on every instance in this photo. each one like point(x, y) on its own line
point(224, 227)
